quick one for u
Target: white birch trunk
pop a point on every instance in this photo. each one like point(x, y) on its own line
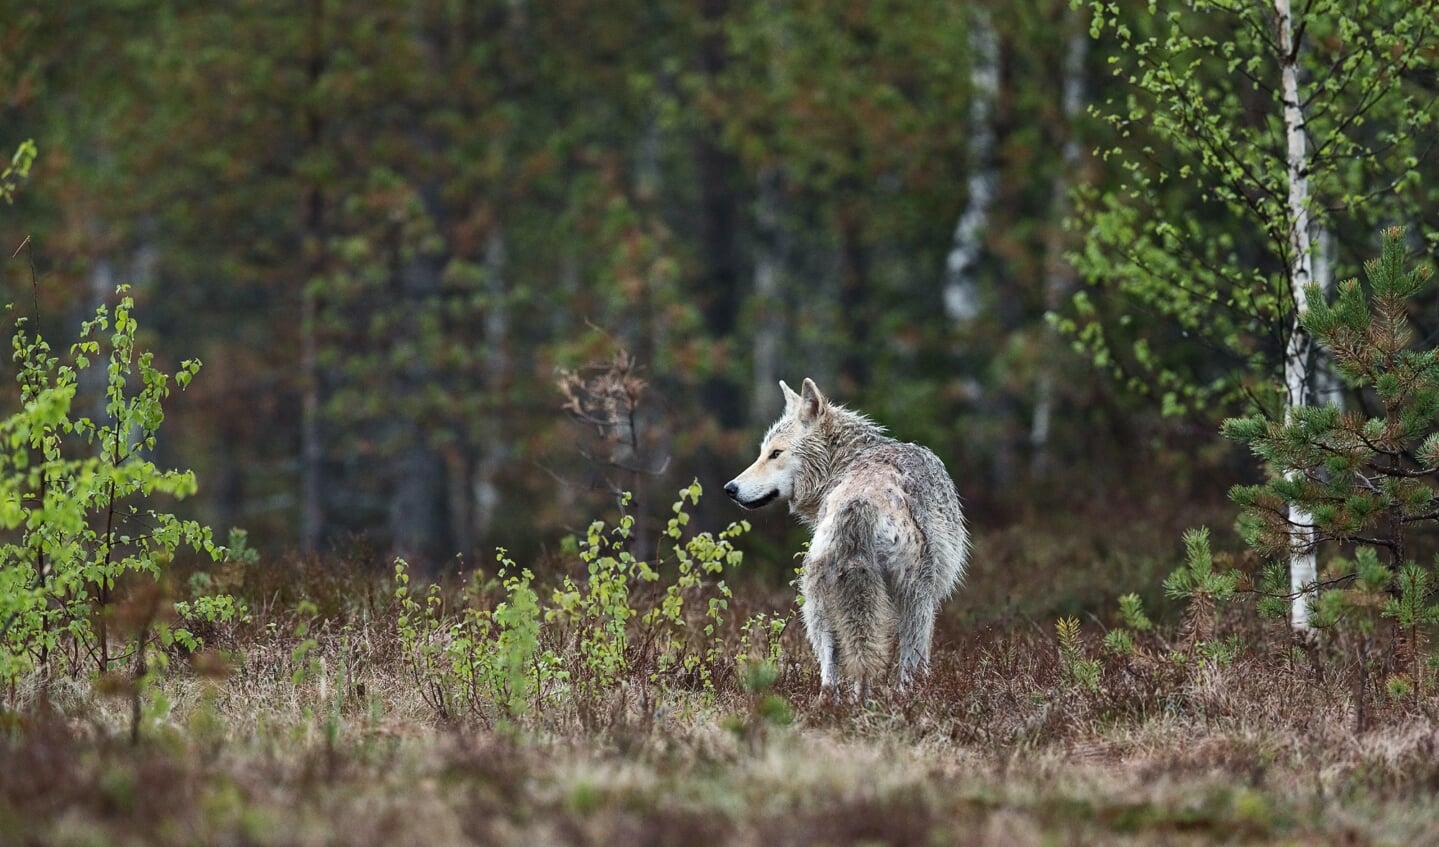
point(493, 453)
point(1303, 569)
point(961, 299)
point(102, 292)
point(1060, 274)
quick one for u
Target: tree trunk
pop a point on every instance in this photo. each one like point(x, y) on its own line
point(854, 300)
point(92, 381)
point(961, 291)
point(418, 516)
point(769, 256)
point(1328, 390)
point(418, 525)
point(492, 448)
point(1059, 272)
point(1303, 569)
point(769, 324)
point(312, 449)
point(719, 216)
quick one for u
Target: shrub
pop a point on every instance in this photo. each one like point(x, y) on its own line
point(75, 516)
point(504, 648)
point(16, 172)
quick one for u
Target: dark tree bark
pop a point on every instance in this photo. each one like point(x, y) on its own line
point(312, 449)
point(419, 524)
point(718, 220)
point(854, 301)
point(768, 288)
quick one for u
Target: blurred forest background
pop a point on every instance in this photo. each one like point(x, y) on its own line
point(460, 272)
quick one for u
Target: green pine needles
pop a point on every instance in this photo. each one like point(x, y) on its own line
point(1366, 474)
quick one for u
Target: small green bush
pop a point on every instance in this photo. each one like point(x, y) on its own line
point(76, 520)
point(504, 648)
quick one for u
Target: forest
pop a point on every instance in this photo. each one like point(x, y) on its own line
point(377, 370)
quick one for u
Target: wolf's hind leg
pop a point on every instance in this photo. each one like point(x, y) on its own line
point(864, 623)
point(916, 632)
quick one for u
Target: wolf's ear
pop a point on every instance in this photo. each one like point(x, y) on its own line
point(811, 402)
point(791, 399)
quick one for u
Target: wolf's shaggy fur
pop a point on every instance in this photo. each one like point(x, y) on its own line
point(889, 538)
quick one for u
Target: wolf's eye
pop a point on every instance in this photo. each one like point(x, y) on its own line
point(774, 454)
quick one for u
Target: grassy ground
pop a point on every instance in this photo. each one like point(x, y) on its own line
point(340, 745)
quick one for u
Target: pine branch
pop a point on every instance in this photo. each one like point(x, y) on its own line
point(1311, 588)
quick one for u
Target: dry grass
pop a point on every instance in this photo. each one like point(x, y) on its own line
point(995, 748)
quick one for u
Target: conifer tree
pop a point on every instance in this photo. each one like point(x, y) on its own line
point(1367, 475)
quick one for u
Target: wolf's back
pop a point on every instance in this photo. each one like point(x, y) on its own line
point(936, 508)
point(932, 503)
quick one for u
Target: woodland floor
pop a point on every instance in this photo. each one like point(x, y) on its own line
point(999, 746)
point(995, 749)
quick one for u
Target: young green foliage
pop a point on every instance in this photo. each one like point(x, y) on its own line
point(520, 670)
point(1206, 589)
point(16, 172)
point(1077, 668)
point(1194, 233)
point(75, 518)
point(1120, 640)
point(1410, 607)
point(523, 655)
point(1198, 577)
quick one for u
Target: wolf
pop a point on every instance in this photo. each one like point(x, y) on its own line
point(889, 540)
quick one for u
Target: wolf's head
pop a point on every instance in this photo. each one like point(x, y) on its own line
point(772, 476)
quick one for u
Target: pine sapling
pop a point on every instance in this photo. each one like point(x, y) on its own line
point(1367, 473)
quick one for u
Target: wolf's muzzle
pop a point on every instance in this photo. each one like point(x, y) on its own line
point(732, 489)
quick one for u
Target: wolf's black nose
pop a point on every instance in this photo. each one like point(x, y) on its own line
point(732, 489)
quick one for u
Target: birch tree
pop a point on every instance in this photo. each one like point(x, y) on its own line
point(1059, 273)
point(1220, 188)
point(1297, 361)
point(961, 295)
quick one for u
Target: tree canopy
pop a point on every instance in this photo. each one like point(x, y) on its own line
point(456, 269)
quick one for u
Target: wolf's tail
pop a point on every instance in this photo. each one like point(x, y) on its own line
point(862, 613)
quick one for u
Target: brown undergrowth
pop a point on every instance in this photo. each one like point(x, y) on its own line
point(335, 714)
point(996, 747)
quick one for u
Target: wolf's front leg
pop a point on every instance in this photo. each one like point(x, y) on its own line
point(828, 661)
point(821, 638)
point(826, 650)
